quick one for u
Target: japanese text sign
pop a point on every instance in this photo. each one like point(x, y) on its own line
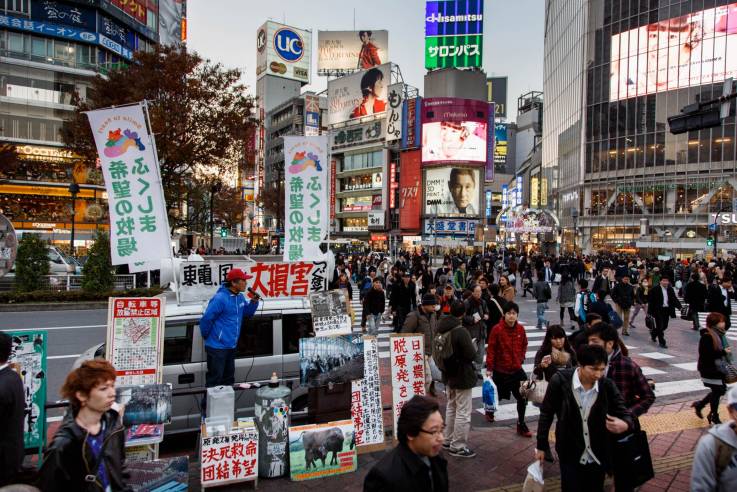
point(394, 115)
point(407, 359)
point(321, 450)
point(366, 410)
point(139, 228)
point(199, 280)
point(330, 313)
point(229, 458)
point(135, 338)
point(306, 190)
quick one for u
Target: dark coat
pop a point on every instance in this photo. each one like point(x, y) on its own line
point(559, 402)
point(601, 283)
point(68, 458)
point(11, 424)
point(715, 302)
point(655, 302)
point(403, 297)
point(459, 371)
point(709, 352)
point(375, 301)
point(476, 329)
point(695, 295)
point(417, 322)
point(623, 295)
point(401, 470)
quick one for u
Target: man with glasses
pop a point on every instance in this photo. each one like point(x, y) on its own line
point(415, 464)
point(714, 461)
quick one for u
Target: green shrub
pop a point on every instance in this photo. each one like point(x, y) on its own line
point(31, 264)
point(72, 295)
point(97, 273)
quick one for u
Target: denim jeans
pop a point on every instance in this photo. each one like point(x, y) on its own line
point(541, 321)
point(372, 323)
point(220, 370)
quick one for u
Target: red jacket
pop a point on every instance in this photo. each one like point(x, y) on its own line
point(507, 348)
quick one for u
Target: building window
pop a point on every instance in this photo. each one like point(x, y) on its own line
point(22, 6)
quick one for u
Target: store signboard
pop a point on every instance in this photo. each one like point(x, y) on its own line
point(411, 123)
point(496, 92)
point(410, 184)
point(394, 115)
point(450, 227)
point(358, 135)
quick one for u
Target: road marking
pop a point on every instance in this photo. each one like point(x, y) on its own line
point(687, 366)
point(74, 356)
point(49, 328)
point(655, 355)
point(58, 418)
point(650, 371)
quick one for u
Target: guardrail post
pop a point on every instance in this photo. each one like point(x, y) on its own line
point(69, 283)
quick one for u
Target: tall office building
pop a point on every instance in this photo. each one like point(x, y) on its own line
point(50, 50)
point(631, 65)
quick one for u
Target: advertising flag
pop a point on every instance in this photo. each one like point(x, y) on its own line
point(306, 189)
point(139, 227)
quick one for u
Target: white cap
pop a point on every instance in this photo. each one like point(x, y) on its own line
point(732, 396)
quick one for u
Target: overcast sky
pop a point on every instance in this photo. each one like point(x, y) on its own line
point(225, 31)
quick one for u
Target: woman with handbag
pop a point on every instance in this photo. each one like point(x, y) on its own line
point(714, 359)
point(640, 300)
point(555, 353)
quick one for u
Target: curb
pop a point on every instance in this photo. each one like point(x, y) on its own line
point(57, 306)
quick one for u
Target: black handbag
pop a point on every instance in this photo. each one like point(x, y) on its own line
point(686, 313)
point(650, 322)
point(633, 464)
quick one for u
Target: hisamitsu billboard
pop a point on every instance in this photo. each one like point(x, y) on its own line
point(454, 17)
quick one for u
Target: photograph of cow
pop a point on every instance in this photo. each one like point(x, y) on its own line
point(333, 359)
point(315, 449)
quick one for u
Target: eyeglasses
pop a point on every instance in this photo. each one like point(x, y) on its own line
point(435, 433)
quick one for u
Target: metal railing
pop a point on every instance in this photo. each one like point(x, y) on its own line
point(74, 282)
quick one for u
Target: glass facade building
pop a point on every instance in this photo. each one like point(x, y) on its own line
point(640, 187)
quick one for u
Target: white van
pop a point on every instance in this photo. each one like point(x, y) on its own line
point(269, 342)
point(62, 264)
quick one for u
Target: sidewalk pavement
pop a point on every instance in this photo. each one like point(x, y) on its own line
point(502, 457)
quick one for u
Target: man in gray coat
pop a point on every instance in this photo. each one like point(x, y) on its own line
point(424, 320)
point(541, 291)
point(715, 460)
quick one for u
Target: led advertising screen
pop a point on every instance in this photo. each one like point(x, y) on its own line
point(283, 51)
point(348, 51)
point(500, 148)
point(454, 130)
point(690, 50)
point(359, 94)
point(454, 31)
point(452, 191)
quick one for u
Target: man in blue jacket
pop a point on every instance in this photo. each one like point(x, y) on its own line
point(221, 327)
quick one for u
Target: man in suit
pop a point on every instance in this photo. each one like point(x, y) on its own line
point(719, 298)
point(601, 282)
point(662, 305)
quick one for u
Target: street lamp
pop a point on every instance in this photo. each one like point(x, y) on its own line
point(214, 188)
point(574, 216)
point(73, 190)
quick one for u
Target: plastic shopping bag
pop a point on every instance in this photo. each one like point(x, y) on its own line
point(534, 479)
point(435, 372)
point(490, 395)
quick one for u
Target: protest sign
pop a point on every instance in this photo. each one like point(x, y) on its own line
point(366, 410)
point(330, 313)
point(407, 358)
point(139, 227)
point(28, 359)
point(326, 360)
point(305, 200)
point(229, 458)
point(321, 450)
point(135, 338)
point(199, 280)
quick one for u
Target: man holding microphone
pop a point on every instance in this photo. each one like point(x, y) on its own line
point(220, 327)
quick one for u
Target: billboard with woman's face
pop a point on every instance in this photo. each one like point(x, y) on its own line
point(454, 130)
point(687, 51)
point(452, 191)
point(359, 94)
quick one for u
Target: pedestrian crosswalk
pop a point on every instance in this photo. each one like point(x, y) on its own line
point(654, 364)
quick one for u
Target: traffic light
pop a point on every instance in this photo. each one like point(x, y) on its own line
point(694, 119)
point(223, 232)
point(710, 242)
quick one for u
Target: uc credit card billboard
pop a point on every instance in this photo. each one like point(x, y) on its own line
point(454, 130)
point(283, 51)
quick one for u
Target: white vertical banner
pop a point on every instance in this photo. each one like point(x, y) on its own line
point(407, 359)
point(394, 115)
point(306, 196)
point(139, 228)
point(366, 410)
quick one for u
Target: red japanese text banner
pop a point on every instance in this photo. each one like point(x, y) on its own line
point(407, 359)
